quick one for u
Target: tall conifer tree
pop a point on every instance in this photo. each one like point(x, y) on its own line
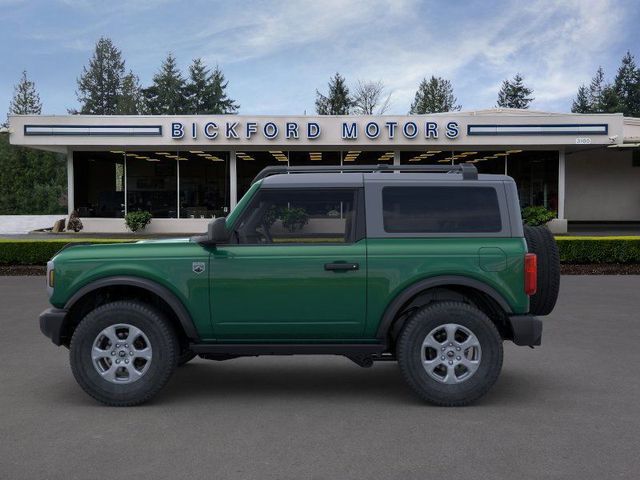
point(99, 86)
point(337, 101)
point(434, 95)
point(514, 93)
point(167, 95)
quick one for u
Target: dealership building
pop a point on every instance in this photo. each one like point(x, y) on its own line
point(186, 170)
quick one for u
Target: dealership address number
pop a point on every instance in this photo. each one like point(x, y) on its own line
point(583, 141)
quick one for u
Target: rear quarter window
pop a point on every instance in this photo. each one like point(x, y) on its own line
point(441, 209)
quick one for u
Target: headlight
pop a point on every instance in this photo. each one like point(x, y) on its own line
point(51, 277)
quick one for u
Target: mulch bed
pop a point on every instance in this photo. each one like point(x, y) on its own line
point(565, 269)
point(601, 269)
point(31, 270)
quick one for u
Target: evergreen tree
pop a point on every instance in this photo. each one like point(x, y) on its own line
point(167, 96)
point(581, 103)
point(434, 95)
point(206, 92)
point(596, 88)
point(609, 101)
point(31, 181)
point(627, 86)
point(337, 101)
point(130, 101)
point(222, 103)
point(197, 90)
point(100, 84)
point(26, 100)
point(514, 93)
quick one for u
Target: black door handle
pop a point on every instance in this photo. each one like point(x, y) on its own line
point(341, 266)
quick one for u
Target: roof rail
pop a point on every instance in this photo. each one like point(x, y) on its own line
point(468, 170)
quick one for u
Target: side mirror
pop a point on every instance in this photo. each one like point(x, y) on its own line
point(218, 231)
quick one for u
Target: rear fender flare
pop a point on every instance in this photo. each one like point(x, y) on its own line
point(414, 289)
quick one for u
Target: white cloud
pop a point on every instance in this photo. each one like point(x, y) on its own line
point(285, 49)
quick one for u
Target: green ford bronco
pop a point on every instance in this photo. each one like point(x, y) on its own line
point(427, 265)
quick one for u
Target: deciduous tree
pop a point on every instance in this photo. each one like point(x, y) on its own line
point(370, 97)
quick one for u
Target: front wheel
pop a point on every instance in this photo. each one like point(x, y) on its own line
point(450, 353)
point(123, 353)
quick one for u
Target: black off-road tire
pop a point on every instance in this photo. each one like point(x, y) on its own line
point(163, 342)
point(409, 353)
point(540, 241)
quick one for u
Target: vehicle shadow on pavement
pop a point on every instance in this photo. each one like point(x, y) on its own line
point(383, 383)
point(278, 378)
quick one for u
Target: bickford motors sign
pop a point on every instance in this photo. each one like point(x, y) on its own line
point(290, 130)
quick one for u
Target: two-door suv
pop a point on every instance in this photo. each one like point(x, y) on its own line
point(427, 265)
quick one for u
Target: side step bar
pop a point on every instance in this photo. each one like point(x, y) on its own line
point(254, 349)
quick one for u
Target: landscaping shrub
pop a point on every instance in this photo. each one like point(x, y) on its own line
point(38, 252)
point(599, 249)
point(535, 216)
point(137, 220)
point(294, 219)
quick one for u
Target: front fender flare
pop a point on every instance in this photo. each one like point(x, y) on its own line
point(415, 288)
point(163, 292)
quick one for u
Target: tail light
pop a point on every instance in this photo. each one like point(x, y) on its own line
point(530, 273)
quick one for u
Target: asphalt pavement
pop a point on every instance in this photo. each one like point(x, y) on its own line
point(569, 409)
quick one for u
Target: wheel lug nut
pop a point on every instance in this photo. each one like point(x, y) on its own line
point(451, 344)
point(126, 345)
point(126, 361)
point(443, 349)
point(113, 353)
point(458, 348)
point(442, 358)
point(457, 358)
point(131, 353)
point(450, 362)
point(117, 361)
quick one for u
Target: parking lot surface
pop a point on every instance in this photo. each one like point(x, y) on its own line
point(569, 409)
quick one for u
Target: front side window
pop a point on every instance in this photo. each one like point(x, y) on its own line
point(298, 216)
point(441, 209)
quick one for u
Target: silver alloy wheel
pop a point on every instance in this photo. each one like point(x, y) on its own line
point(121, 353)
point(451, 353)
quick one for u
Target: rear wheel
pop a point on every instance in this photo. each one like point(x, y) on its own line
point(123, 353)
point(450, 353)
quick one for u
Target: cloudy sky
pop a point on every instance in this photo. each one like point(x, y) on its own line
point(276, 53)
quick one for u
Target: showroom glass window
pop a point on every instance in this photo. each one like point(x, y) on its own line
point(99, 184)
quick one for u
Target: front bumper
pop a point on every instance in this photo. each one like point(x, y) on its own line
point(52, 322)
point(527, 330)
